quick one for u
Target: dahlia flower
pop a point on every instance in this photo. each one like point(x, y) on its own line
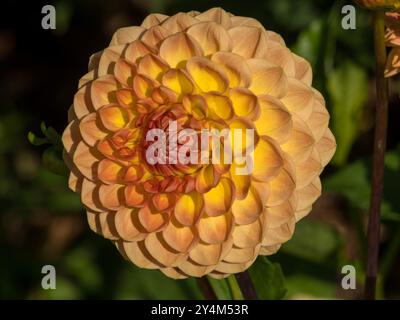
point(209, 70)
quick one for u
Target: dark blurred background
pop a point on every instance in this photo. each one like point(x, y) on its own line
point(42, 222)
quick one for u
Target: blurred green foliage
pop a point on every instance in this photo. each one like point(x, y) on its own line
point(42, 222)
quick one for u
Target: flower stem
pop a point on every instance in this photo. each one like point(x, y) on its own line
point(381, 119)
point(234, 288)
point(246, 285)
point(206, 289)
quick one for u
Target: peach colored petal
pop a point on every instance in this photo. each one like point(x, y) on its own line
point(126, 98)
point(134, 196)
point(136, 50)
point(138, 254)
point(282, 186)
point(303, 71)
point(299, 99)
point(153, 19)
point(278, 215)
point(211, 36)
point(275, 120)
point(179, 22)
point(161, 253)
point(107, 60)
point(126, 35)
point(238, 21)
point(249, 42)
point(267, 78)
point(268, 160)
point(152, 67)
point(113, 117)
point(179, 48)
point(124, 72)
point(82, 104)
point(91, 129)
point(210, 254)
point(102, 223)
point(174, 273)
point(143, 86)
point(301, 141)
point(109, 171)
point(102, 91)
point(151, 220)
point(110, 196)
point(249, 209)
point(154, 35)
point(242, 255)
point(280, 55)
point(85, 159)
point(127, 226)
point(90, 197)
point(326, 147)
point(214, 230)
point(279, 235)
point(319, 120)
point(308, 194)
point(248, 235)
point(230, 268)
point(194, 270)
point(71, 137)
point(179, 237)
point(217, 15)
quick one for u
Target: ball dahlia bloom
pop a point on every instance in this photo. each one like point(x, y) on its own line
point(202, 70)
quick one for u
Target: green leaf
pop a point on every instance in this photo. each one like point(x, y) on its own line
point(220, 288)
point(309, 42)
point(348, 92)
point(354, 182)
point(53, 136)
point(43, 127)
point(36, 141)
point(52, 160)
point(304, 286)
point(268, 279)
point(312, 241)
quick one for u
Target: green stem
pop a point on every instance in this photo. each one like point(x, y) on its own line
point(381, 118)
point(234, 288)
